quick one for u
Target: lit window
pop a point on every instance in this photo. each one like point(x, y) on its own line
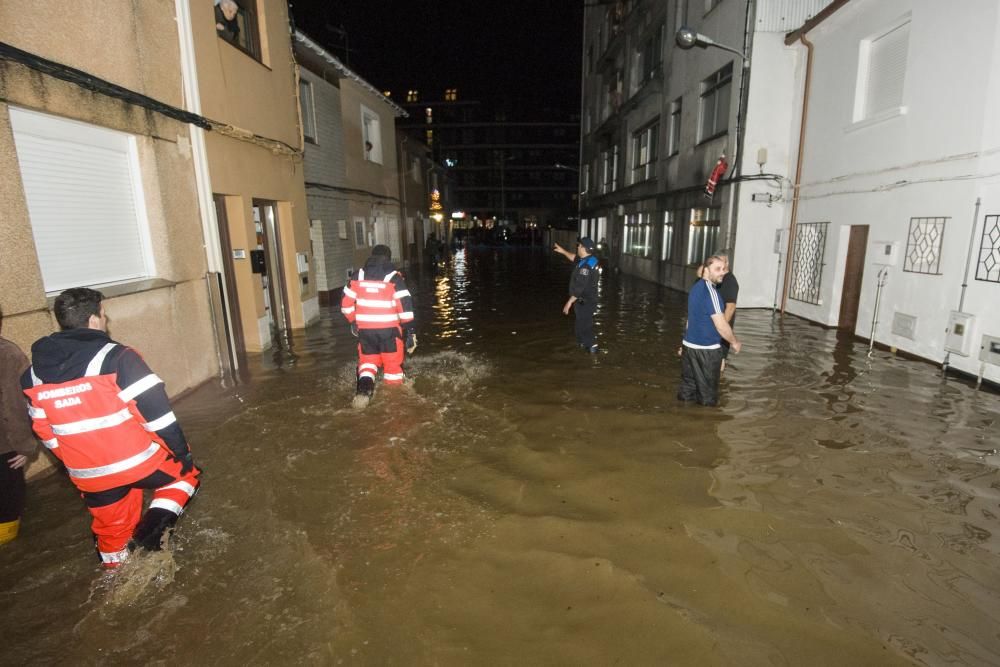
point(371, 135)
point(715, 93)
point(703, 233)
point(882, 72)
point(412, 96)
point(667, 246)
point(451, 94)
point(308, 111)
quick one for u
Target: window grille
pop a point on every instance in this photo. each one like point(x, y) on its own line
point(807, 262)
point(988, 266)
point(923, 246)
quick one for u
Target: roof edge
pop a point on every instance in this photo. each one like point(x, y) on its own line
point(346, 71)
point(823, 15)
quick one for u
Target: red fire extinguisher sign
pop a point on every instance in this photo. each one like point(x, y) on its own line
point(720, 169)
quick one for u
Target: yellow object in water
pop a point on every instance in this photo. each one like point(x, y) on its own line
point(8, 530)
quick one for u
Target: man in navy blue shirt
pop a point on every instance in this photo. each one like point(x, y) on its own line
point(701, 362)
point(582, 291)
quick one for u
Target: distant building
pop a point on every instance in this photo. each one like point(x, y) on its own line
point(351, 166)
point(513, 169)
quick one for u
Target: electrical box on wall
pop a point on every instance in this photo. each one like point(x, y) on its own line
point(959, 333)
point(883, 253)
point(989, 351)
point(780, 241)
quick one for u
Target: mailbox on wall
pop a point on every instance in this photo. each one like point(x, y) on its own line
point(257, 264)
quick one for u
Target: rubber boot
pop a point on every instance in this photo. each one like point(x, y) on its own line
point(366, 386)
point(154, 523)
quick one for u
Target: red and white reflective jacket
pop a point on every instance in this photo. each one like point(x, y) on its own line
point(378, 303)
point(93, 423)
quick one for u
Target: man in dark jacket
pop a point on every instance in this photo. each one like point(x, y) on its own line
point(17, 442)
point(379, 307)
point(582, 291)
point(100, 409)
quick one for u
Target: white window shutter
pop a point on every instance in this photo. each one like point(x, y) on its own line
point(887, 71)
point(81, 193)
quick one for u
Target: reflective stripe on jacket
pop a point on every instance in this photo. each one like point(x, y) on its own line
point(93, 426)
point(376, 304)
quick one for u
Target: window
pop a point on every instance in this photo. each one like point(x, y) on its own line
point(667, 245)
point(988, 266)
point(308, 111)
point(644, 152)
point(881, 73)
point(651, 56)
point(85, 201)
point(413, 96)
point(609, 170)
point(715, 92)
point(359, 232)
point(371, 135)
point(923, 246)
point(451, 94)
point(585, 180)
point(807, 262)
point(416, 170)
point(236, 23)
point(703, 233)
point(638, 235)
point(674, 140)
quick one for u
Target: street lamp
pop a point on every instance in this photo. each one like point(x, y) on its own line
point(688, 38)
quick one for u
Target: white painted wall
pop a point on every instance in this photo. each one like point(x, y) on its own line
point(934, 160)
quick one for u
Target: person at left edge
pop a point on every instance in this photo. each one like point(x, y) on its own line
point(582, 291)
point(17, 442)
point(102, 412)
point(379, 308)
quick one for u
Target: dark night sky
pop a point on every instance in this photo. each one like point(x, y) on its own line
point(520, 53)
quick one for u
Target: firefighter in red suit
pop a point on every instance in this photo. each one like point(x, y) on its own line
point(379, 307)
point(100, 409)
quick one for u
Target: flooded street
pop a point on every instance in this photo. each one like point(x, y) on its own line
point(521, 502)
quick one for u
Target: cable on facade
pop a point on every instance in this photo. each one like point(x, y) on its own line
point(101, 86)
point(351, 191)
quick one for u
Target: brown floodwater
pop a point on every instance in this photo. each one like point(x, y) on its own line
point(520, 502)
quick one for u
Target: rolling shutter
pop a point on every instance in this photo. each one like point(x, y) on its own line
point(84, 201)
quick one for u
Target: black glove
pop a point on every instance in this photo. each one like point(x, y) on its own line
point(354, 329)
point(187, 463)
point(411, 341)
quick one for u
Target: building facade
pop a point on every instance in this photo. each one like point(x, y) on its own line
point(899, 205)
point(658, 120)
point(247, 85)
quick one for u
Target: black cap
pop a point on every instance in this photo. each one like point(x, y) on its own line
point(382, 251)
point(586, 242)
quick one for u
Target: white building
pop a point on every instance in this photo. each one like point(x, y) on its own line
point(901, 175)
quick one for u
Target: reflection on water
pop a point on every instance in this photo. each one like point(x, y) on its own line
point(518, 501)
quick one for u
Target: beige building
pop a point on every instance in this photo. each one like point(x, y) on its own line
point(247, 83)
point(99, 184)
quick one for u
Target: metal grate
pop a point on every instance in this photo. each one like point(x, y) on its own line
point(988, 267)
point(923, 246)
point(807, 261)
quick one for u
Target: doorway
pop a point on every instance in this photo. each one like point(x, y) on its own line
point(234, 343)
point(268, 230)
point(854, 273)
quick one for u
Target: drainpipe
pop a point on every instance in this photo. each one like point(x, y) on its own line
point(798, 171)
point(740, 138)
point(203, 181)
point(401, 177)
